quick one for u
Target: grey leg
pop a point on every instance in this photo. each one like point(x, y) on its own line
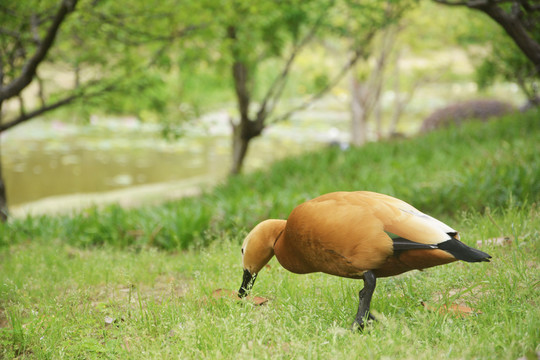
point(370, 281)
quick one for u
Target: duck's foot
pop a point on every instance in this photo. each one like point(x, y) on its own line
point(360, 324)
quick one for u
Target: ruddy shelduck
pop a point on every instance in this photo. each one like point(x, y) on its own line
point(360, 235)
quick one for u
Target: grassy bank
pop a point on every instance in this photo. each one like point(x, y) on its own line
point(443, 173)
point(98, 285)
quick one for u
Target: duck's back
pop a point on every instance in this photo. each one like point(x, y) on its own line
point(345, 233)
point(336, 233)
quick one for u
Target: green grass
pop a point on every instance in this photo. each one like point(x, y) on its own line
point(98, 284)
point(55, 300)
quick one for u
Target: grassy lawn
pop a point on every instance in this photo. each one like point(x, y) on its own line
point(64, 302)
point(115, 283)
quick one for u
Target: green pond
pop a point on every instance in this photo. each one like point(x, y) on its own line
point(58, 161)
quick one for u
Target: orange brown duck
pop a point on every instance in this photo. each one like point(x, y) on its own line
point(360, 235)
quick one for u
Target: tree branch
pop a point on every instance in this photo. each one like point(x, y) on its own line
point(513, 25)
point(470, 3)
point(276, 89)
point(29, 69)
point(27, 116)
point(23, 117)
point(117, 22)
point(358, 53)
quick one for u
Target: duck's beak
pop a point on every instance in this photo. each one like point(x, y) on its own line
point(247, 283)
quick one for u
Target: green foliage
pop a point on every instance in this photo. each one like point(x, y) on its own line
point(508, 63)
point(443, 173)
point(434, 27)
point(495, 54)
point(263, 37)
point(18, 31)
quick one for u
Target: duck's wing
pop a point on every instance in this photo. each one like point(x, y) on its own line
point(416, 230)
point(407, 222)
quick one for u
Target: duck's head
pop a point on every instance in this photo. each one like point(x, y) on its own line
point(258, 249)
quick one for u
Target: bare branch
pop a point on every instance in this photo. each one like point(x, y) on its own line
point(34, 29)
point(1, 74)
point(276, 89)
point(117, 22)
point(27, 116)
point(452, 3)
point(29, 69)
point(358, 53)
point(470, 3)
point(22, 109)
point(9, 32)
point(23, 117)
point(41, 92)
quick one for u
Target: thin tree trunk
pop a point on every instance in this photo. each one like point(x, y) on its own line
point(247, 128)
point(398, 108)
point(3, 196)
point(378, 118)
point(358, 118)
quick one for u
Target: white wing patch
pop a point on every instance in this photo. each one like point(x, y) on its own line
point(443, 226)
point(419, 227)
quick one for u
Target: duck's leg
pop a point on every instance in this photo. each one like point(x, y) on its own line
point(370, 281)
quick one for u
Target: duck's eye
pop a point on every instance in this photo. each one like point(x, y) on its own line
point(242, 251)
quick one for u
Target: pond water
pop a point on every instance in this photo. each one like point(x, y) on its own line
point(55, 165)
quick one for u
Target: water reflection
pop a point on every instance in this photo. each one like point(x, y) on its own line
point(44, 171)
point(43, 159)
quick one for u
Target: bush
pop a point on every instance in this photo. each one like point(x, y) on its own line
point(456, 114)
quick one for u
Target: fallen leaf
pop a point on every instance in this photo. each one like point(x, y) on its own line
point(257, 300)
point(455, 309)
point(500, 241)
point(225, 293)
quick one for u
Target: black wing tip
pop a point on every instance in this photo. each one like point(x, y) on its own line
point(487, 258)
point(463, 252)
point(401, 244)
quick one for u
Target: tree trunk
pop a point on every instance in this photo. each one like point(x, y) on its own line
point(398, 104)
point(3, 197)
point(239, 149)
point(358, 114)
point(243, 133)
point(247, 128)
point(378, 119)
point(241, 130)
